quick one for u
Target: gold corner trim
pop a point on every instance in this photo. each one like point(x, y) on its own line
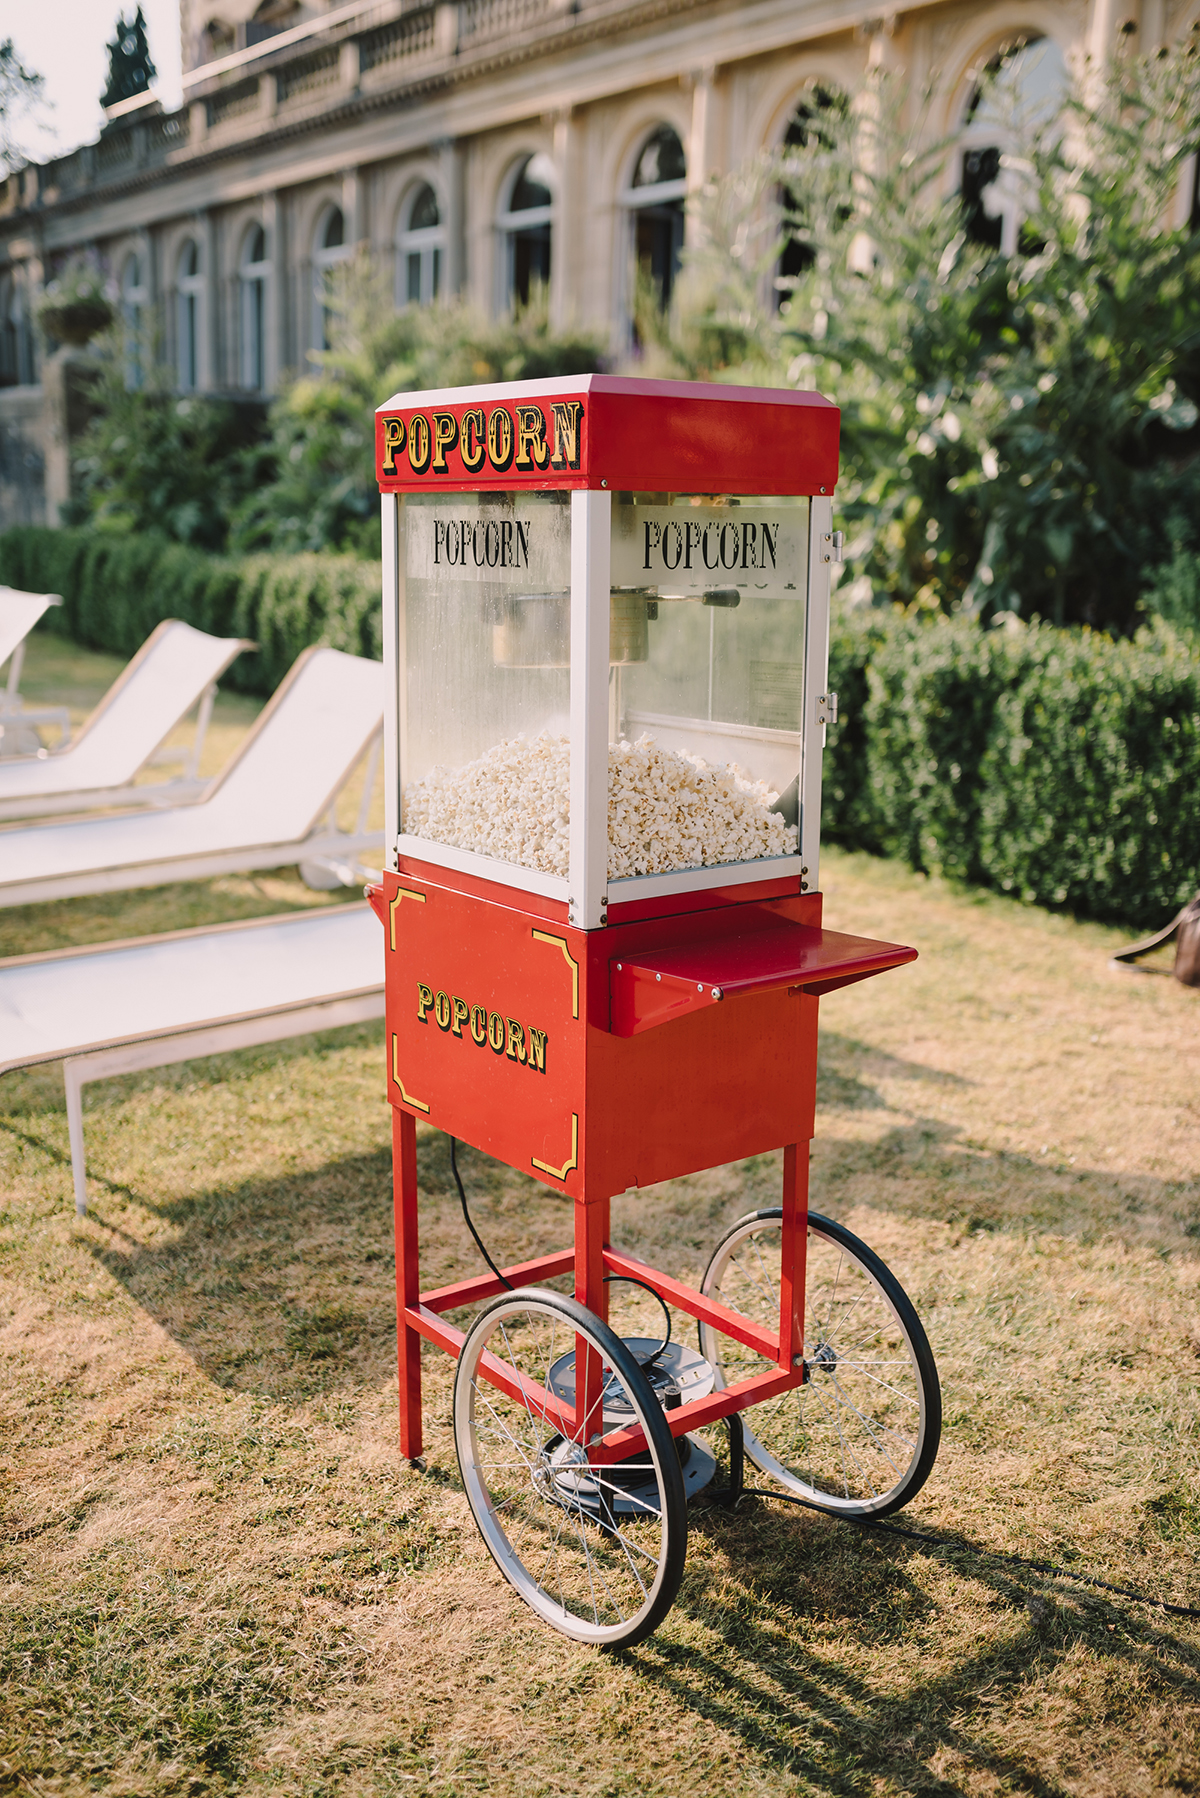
point(407, 1097)
point(544, 936)
point(543, 1167)
point(401, 893)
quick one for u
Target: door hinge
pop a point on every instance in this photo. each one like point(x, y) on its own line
point(827, 708)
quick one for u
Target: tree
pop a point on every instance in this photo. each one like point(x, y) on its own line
point(1015, 429)
point(20, 88)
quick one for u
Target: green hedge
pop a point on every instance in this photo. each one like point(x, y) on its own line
point(1060, 766)
point(116, 589)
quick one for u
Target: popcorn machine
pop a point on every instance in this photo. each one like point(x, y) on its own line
point(605, 614)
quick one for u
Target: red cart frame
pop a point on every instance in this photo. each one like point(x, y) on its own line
point(606, 1034)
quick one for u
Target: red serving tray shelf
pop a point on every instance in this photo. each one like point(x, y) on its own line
point(652, 988)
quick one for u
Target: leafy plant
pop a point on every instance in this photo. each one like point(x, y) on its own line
point(152, 460)
point(322, 493)
point(20, 88)
point(1014, 428)
point(1174, 590)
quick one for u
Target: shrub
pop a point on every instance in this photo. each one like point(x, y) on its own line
point(1089, 778)
point(1054, 765)
point(153, 461)
point(1174, 589)
point(117, 588)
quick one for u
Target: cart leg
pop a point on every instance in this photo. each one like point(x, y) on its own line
point(408, 1284)
point(591, 1234)
point(795, 1249)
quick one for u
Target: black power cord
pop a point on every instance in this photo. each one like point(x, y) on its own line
point(624, 1279)
point(664, 1345)
point(467, 1218)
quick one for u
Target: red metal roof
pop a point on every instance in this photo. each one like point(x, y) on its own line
point(614, 431)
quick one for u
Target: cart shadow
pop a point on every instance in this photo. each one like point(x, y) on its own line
point(755, 1658)
point(284, 1288)
point(925, 1168)
point(846, 1066)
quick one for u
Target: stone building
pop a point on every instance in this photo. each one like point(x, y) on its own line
point(477, 146)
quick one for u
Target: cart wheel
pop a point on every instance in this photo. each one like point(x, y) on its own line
point(597, 1552)
point(860, 1436)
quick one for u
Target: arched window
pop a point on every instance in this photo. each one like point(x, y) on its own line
point(812, 127)
point(254, 271)
point(655, 200)
point(524, 224)
point(330, 249)
point(419, 249)
point(134, 298)
point(1023, 88)
point(10, 321)
point(189, 287)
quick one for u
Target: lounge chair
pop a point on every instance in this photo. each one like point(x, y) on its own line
point(120, 1007)
point(175, 669)
point(19, 612)
point(266, 810)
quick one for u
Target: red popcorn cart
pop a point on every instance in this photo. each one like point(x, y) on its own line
point(605, 614)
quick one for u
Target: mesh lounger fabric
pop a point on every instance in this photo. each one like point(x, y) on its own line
point(19, 612)
point(159, 687)
point(82, 1000)
point(300, 753)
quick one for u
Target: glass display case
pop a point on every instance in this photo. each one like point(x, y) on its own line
point(601, 693)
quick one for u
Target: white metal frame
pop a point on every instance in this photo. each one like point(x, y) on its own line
point(816, 682)
point(14, 713)
point(395, 748)
point(189, 1045)
point(129, 1047)
point(587, 889)
point(56, 799)
point(591, 529)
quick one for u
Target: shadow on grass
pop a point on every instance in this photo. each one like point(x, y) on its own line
point(758, 1660)
point(924, 1168)
point(837, 1658)
point(284, 1288)
point(844, 1064)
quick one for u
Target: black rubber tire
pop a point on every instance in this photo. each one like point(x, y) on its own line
point(783, 1436)
point(605, 1547)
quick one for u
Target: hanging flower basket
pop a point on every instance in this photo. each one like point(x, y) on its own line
point(76, 320)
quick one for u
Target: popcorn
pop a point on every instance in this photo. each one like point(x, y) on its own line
point(666, 809)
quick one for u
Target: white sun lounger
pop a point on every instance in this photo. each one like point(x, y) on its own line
point(121, 1007)
point(176, 668)
point(19, 612)
point(267, 810)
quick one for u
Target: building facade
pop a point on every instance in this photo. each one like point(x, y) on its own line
point(476, 146)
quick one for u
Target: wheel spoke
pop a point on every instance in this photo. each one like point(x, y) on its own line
point(861, 1432)
point(596, 1550)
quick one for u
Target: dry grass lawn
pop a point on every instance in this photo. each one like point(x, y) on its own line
point(218, 1576)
